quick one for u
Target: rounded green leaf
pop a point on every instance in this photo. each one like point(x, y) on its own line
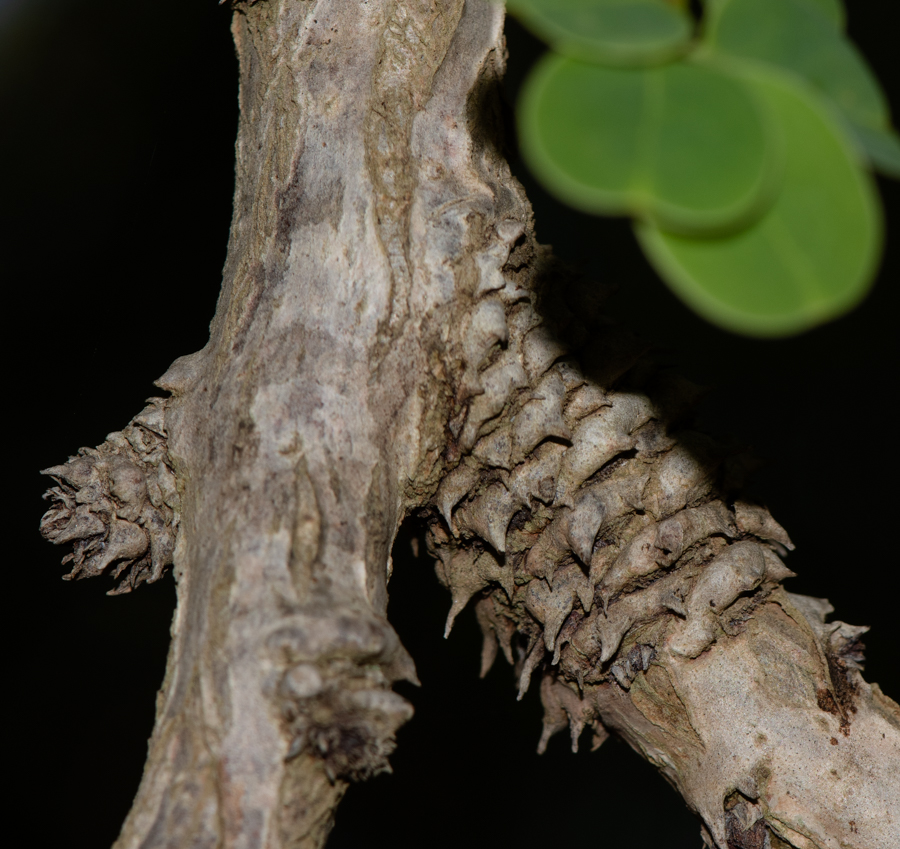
point(810, 258)
point(612, 32)
point(795, 35)
point(882, 146)
point(686, 144)
point(831, 10)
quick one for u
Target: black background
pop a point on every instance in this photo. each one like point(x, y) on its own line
point(117, 125)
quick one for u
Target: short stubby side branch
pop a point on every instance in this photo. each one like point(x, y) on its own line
point(610, 553)
point(118, 504)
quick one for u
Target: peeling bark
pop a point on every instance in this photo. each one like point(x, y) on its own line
point(391, 340)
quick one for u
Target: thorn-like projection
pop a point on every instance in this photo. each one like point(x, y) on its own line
point(630, 410)
point(541, 417)
point(660, 545)
point(844, 643)
point(684, 474)
point(125, 542)
point(843, 640)
point(488, 515)
point(641, 606)
point(584, 589)
point(776, 571)
point(576, 726)
point(674, 602)
point(636, 660)
point(494, 449)
point(552, 724)
point(520, 320)
point(540, 349)
point(583, 522)
point(466, 571)
point(496, 627)
point(757, 521)
point(617, 670)
point(555, 717)
point(571, 374)
point(458, 574)
point(454, 486)
point(596, 507)
point(552, 606)
point(651, 439)
point(81, 524)
point(738, 569)
point(586, 399)
point(491, 261)
point(595, 441)
point(570, 626)
point(603, 557)
point(508, 230)
point(488, 636)
point(564, 707)
point(499, 380)
point(816, 610)
point(487, 327)
point(533, 657)
point(551, 547)
point(536, 477)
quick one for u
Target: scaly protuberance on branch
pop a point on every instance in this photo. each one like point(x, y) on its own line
point(118, 504)
point(334, 694)
point(606, 543)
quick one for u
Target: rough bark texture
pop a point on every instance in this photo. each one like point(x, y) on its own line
point(390, 339)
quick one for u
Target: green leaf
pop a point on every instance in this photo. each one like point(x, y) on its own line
point(810, 258)
point(686, 144)
point(831, 10)
point(882, 148)
point(795, 35)
point(612, 32)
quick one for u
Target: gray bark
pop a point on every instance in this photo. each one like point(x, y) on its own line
point(390, 339)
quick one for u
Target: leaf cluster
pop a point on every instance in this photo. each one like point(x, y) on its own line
point(741, 145)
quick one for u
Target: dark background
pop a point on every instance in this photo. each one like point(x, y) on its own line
point(117, 125)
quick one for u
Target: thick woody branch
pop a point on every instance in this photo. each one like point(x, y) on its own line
point(390, 338)
point(316, 416)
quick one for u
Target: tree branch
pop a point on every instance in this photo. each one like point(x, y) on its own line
point(385, 341)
